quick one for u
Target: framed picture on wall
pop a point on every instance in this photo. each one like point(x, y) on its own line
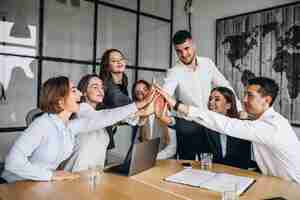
point(263, 43)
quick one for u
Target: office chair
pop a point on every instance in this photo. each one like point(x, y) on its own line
point(2, 180)
point(32, 115)
point(238, 153)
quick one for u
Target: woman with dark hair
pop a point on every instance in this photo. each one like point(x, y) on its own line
point(50, 139)
point(222, 100)
point(238, 151)
point(140, 90)
point(112, 73)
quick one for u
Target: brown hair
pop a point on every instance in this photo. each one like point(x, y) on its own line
point(105, 73)
point(134, 86)
point(54, 90)
point(84, 83)
point(230, 98)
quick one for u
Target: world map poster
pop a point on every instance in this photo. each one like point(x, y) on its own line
point(263, 43)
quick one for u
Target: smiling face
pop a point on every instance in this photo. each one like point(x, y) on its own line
point(94, 93)
point(254, 102)
point(71, 102)
point(117, 63)
point(186, 52)
point(218, 103)
point(141, 91)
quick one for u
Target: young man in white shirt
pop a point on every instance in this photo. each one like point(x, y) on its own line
point(275, 144)
point(193, 77)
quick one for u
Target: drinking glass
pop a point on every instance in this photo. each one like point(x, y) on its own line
point(206, 160)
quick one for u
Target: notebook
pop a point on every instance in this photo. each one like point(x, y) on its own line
point(218, 182)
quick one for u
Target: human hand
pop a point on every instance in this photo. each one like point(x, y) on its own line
point(159, 106)
point(163, 117)
point(169, 99)
point(148, 110)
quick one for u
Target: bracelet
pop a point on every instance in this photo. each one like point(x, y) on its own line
point(177, 105)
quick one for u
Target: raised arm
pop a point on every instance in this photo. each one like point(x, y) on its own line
point(96, 120)
point(257, 131)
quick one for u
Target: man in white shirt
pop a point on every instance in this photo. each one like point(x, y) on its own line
point(193, 77)
point(275, 144)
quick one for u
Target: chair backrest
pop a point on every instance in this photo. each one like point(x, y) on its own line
point(239, 151)
point(32, 115)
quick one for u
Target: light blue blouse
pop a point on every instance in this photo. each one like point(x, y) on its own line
point(48, 141)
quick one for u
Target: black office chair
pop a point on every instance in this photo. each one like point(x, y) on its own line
point(238, 153)
point(32, 115)
point(2, 180)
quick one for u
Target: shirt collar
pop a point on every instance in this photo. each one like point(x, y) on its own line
point(268, 112)
point(58, 122)
point(197, 63)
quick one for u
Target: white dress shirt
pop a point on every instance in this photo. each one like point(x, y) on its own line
point(275, 144)
point(194, 86)
point(48, 141)
point(92, 146)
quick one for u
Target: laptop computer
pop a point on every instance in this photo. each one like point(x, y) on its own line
point(140, 157)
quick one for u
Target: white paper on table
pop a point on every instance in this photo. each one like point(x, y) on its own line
point(218, 182)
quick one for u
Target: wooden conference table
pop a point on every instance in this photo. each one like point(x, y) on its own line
point(147, 185)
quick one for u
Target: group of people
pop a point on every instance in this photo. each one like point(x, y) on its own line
point(205, 116)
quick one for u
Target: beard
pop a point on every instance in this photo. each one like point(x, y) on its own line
point(190, 60)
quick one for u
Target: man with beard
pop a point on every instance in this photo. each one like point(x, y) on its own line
point(193, 77)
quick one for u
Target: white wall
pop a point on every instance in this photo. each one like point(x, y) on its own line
point(205, 13)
